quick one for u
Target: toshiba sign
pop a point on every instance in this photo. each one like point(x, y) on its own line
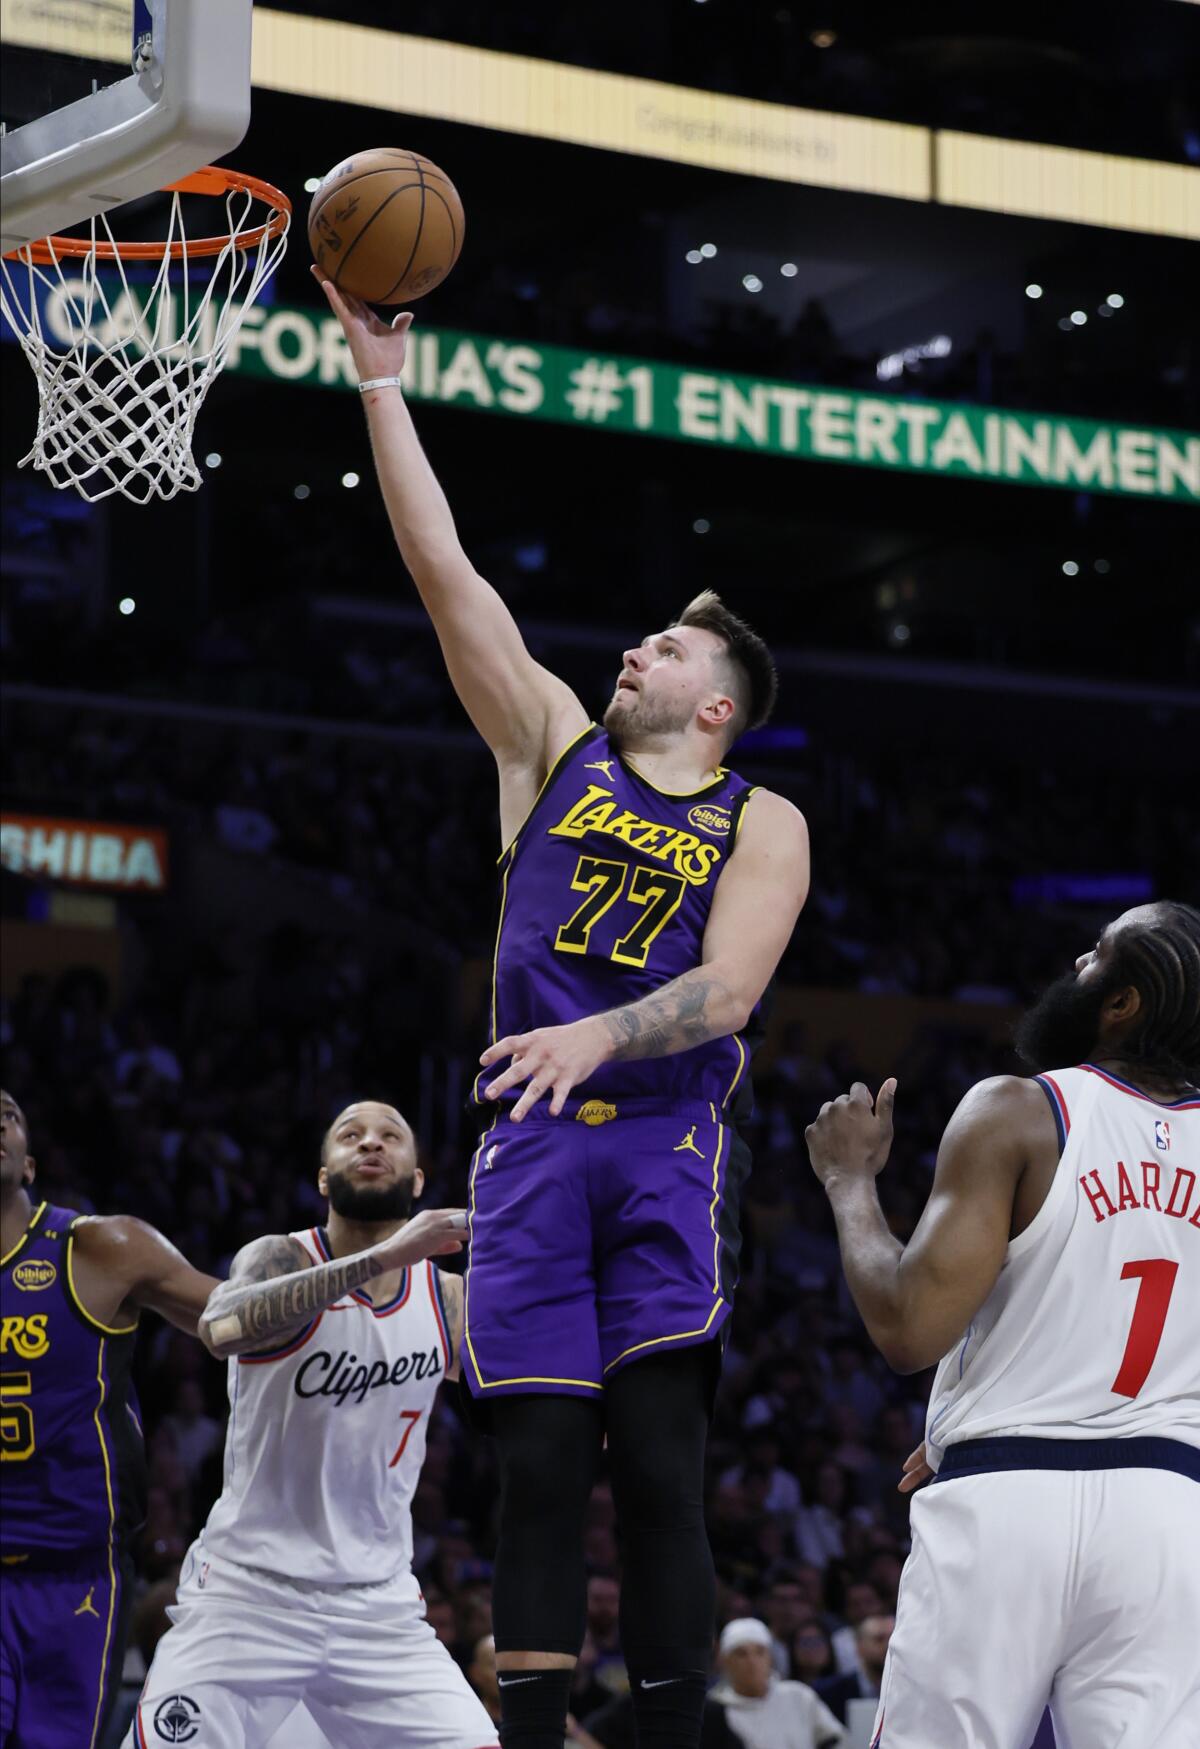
point(85, 853)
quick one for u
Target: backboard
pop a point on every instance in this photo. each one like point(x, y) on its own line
point(107, 100)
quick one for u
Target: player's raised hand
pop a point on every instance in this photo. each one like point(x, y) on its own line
point(432, 1233)
point(853, 1134)
point(377, 348)
point(552, 1060)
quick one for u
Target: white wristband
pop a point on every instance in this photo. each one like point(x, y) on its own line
point(381, 383)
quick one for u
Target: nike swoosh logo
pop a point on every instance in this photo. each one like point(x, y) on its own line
point(665, 1683)
point(512, 1681)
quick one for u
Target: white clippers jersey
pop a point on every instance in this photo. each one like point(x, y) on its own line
point(326, 1437)
point(1090, 1331)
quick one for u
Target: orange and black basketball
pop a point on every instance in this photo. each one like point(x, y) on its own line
point(386, 225)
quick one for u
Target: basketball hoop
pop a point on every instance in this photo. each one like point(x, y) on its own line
point(122, 366)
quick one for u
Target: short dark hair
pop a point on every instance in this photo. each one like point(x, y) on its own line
point(1161, 959)
point(753, 682)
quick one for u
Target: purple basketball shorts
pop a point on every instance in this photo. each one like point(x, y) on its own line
point(597, 1238)
point(62, 1644)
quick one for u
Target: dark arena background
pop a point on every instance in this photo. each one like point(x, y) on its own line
point(923, 406)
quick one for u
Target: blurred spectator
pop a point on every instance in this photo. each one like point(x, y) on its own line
point(144, 1059)
point(785, 1609)
point(812, 1654)
point(780, 1490)
point(765, 1711)
point(194, 1433)
point(861, 1600)
point(872, 1637)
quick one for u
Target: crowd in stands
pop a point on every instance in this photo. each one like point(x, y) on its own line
point(194, 1095)
point(199, 1108)
point(414, 835)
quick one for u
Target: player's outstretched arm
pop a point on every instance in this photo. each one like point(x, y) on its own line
point(917, 1299)
point(522, 711)
point(136, 1268)
point(273, 1291)
point(754, 910)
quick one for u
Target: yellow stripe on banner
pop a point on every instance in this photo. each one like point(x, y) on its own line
point(552, 100)
point(112, 1525)
point(403, 75)
point(25, 1236)
point(1058, 182)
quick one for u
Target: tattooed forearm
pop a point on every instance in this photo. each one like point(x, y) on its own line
point(689, 1011)
point(452, 1294)
point(261, 1303)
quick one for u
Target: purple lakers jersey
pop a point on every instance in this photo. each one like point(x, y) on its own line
point(606, 892)
point(74, 1469)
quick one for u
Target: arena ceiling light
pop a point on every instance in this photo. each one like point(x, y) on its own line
point(1115, 301)
point(1033, 291)
point(708, 250)
point(1079, 317)
point(752, 282)
point(789, 270)
point(694, 257)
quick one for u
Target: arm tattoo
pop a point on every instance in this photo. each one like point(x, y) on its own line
point(452, 1294)
point(686, 1012)
point(268, 1296)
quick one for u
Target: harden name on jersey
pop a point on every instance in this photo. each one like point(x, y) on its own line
point(1165, 1190)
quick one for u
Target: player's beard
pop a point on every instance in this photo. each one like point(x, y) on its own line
point(369, 1202)
point(631, 726)
point(1063, 1026)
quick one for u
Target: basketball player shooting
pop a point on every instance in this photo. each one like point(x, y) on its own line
point(300, 1587)
point(1055, 1279)
point(647, 895)
point(72, 1288)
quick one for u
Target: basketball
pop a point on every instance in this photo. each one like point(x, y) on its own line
point(386, 225)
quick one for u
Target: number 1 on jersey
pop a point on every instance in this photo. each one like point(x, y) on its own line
point(1149, 1315)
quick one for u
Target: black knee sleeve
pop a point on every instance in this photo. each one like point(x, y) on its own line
point(657, 1428)
point(548, 1448)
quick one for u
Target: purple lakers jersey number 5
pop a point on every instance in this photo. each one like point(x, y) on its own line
point(73, 1469)
point(606, 893)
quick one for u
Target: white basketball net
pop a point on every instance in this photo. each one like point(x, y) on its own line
point(123, 366)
